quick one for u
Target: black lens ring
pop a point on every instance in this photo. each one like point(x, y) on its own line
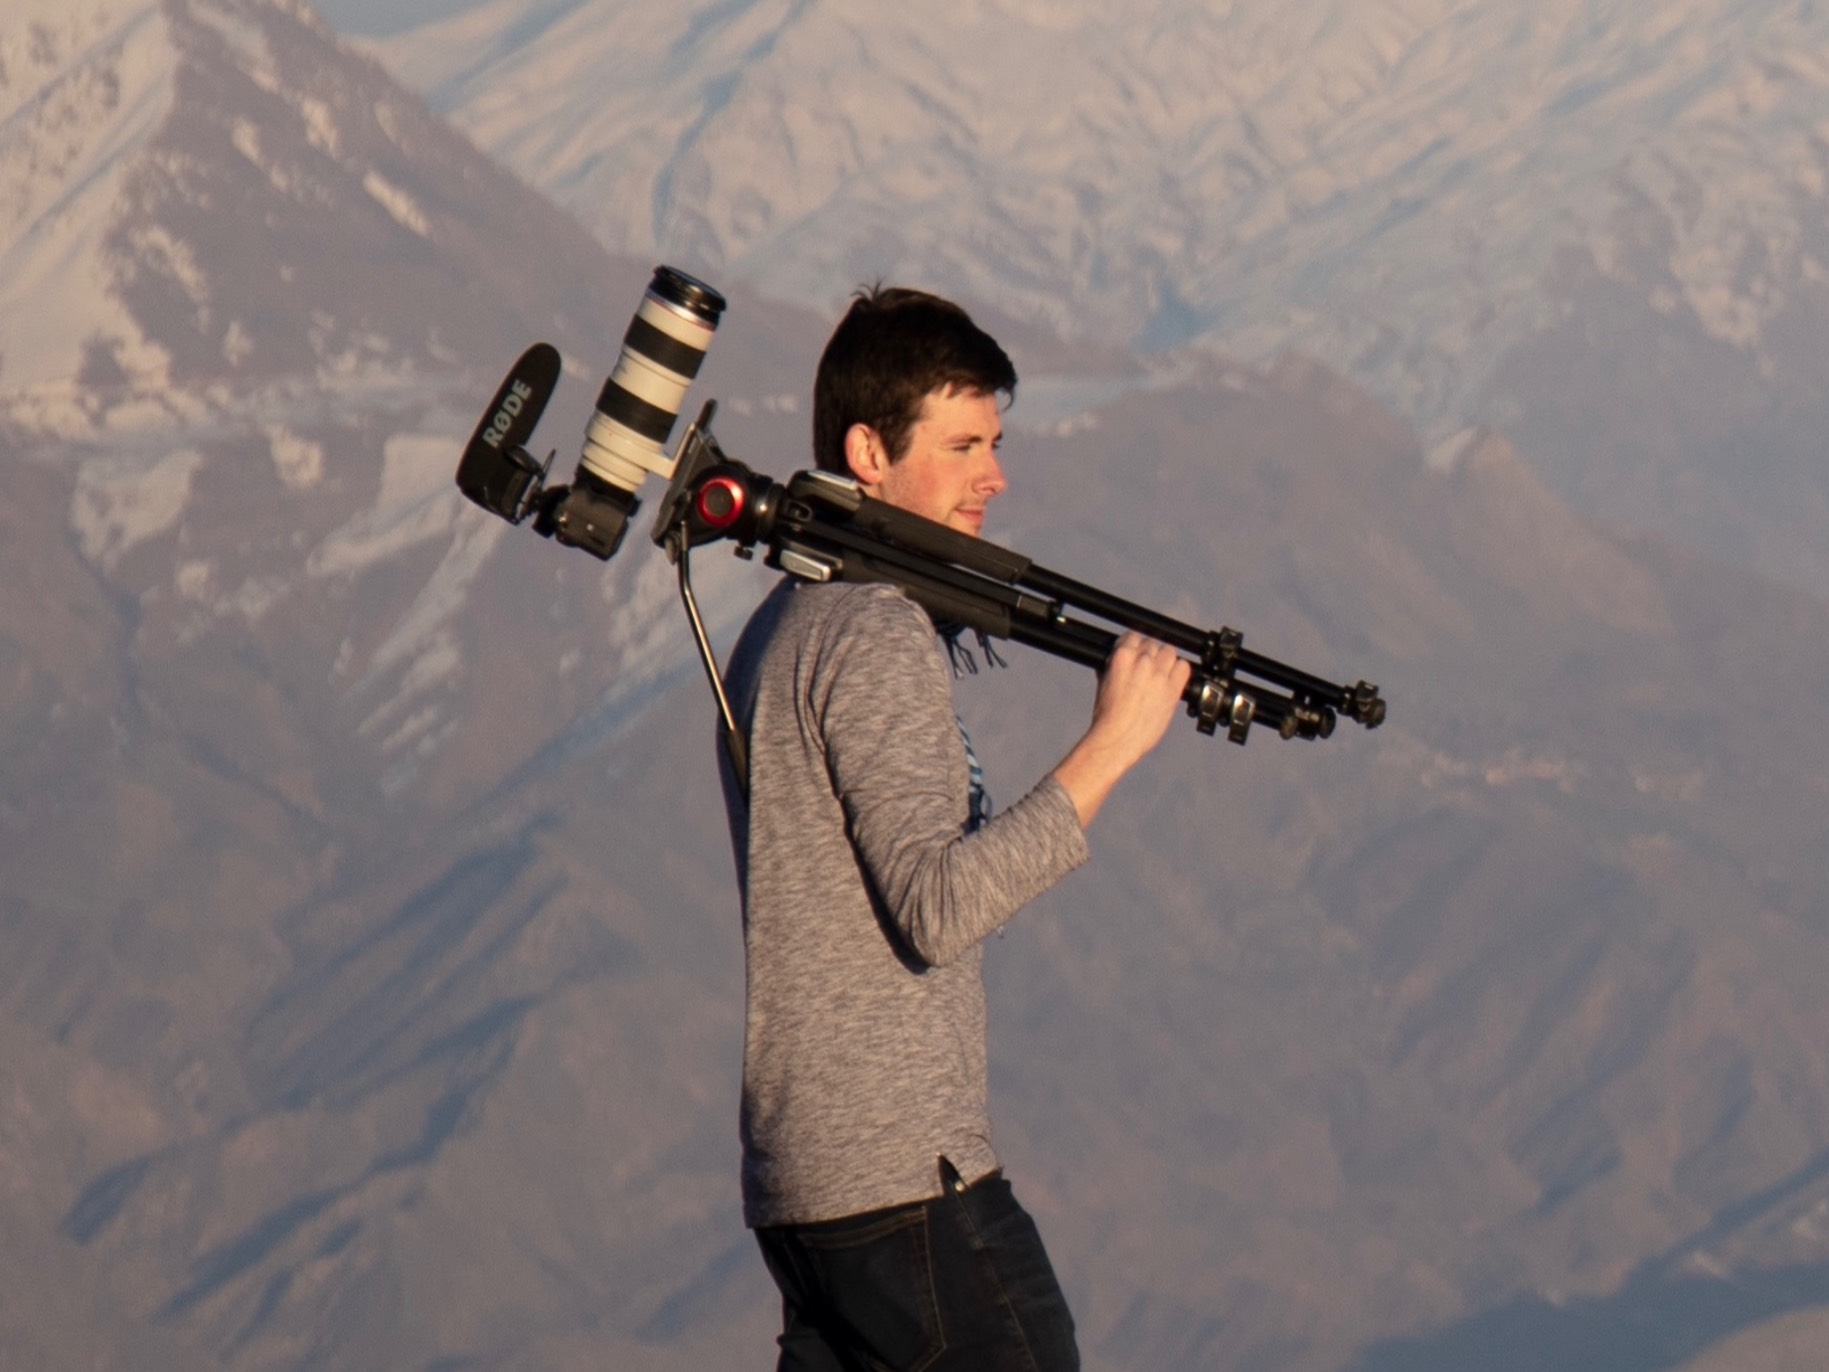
point(662, 349)
point(622, 405)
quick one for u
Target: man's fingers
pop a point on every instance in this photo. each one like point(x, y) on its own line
point(1161, 658)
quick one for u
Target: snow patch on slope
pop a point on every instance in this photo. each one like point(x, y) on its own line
point(81, 89)
point(299, 461)
point(120, 502)
point(398, 203)
point(247, 40)
point(416, 501)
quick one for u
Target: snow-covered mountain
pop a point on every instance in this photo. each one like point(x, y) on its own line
point(369, 975)
point(1470, 206)
point(252, 295)
point(1279, 172)
point(250, 666)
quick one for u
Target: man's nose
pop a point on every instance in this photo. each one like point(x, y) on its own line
point(990, 476)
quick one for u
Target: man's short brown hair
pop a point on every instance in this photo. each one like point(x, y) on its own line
point(894, 348)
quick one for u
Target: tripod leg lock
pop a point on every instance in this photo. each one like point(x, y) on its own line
point(1220, 701)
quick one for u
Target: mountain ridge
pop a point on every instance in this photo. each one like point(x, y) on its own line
point(1395, 188)
point(370, 979)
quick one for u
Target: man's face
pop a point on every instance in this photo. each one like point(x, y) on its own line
point(950, 471)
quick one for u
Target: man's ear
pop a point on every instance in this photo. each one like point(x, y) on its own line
point(865, 455)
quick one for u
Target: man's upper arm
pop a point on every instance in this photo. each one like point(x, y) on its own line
point(884, 701)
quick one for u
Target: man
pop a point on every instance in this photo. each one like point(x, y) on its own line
point(872, 873)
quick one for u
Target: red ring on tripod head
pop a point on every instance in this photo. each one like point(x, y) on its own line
point(720, 502)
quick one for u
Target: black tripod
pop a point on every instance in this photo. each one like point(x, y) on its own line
point(822, 527)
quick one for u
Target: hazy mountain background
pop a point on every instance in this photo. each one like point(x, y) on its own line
point(1599, 223)
point(370, 988)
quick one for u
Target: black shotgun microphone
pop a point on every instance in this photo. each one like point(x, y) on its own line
point(496, 470)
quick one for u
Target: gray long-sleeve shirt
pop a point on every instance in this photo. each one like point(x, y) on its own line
point(865, 904)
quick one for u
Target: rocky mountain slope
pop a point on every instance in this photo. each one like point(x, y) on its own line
point(369, 981)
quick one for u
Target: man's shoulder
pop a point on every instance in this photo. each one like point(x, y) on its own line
point(867, 637)
point(874, 606)
point(838, 610)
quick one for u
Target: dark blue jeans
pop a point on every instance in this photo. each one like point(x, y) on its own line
point(958, 1284)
